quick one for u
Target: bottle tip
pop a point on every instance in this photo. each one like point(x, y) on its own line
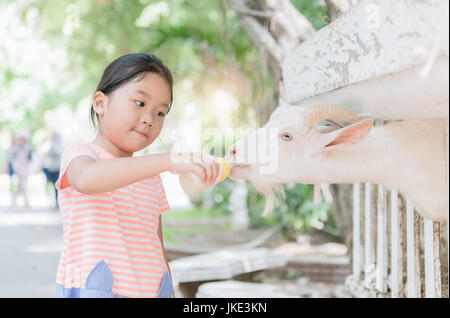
point(225, 167)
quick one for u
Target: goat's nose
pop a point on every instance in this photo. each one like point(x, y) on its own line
point(231, 154)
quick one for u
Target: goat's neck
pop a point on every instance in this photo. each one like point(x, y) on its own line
point(366, 161)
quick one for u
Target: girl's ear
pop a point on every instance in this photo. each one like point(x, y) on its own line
point(99, 102)
point(349, 135)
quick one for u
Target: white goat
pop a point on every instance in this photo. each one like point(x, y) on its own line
point(408, 155)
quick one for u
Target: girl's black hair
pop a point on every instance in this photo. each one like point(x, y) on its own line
point(129, 67)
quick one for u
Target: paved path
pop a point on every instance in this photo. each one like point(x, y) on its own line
point(30, 244)
point(31, 241)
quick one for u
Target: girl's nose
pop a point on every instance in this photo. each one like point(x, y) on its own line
point(147, 120)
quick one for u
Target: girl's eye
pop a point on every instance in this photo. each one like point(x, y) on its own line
point(161, 114)
point(139, 103)
point(286, 136)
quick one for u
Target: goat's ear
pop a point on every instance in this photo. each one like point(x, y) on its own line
point(349, 135)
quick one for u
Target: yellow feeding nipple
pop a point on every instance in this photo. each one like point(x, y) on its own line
point(191, 183)
point(225, 171)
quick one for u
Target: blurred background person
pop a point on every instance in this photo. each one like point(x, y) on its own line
point(51, 150)
point(20, 155)
point(9, 167)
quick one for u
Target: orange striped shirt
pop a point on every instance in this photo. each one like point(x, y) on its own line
point(119, 227)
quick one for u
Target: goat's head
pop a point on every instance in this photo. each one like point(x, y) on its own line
point(292, 147)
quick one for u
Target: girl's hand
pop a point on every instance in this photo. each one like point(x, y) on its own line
point(205, 166)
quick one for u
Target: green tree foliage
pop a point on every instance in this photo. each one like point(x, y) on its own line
point(200, 40)
point(314, 11)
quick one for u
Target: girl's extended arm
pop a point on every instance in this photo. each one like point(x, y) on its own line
point(91, 177)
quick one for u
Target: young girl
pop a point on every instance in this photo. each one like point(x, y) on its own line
point(111, 202)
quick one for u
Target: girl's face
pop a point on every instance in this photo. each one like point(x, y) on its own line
point(132, 116)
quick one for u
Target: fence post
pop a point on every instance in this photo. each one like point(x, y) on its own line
point(413, 282)
point(396, 252)
point(356, 230)
point(429, 259)
point(437, 258)
point(381, 242)
point(368, 248)
point(417, 266)
point(446, 190)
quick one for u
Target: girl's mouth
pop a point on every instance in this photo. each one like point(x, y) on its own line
point(141, 133)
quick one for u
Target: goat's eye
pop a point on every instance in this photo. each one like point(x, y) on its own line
point(286, 136)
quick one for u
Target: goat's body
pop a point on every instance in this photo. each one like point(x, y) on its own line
point(408, 155)
point(424, 181)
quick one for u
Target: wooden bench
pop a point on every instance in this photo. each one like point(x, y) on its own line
point(188, 273)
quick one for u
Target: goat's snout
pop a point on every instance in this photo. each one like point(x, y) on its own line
point(231, 155)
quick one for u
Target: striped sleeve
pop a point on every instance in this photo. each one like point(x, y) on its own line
point(68, 155)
